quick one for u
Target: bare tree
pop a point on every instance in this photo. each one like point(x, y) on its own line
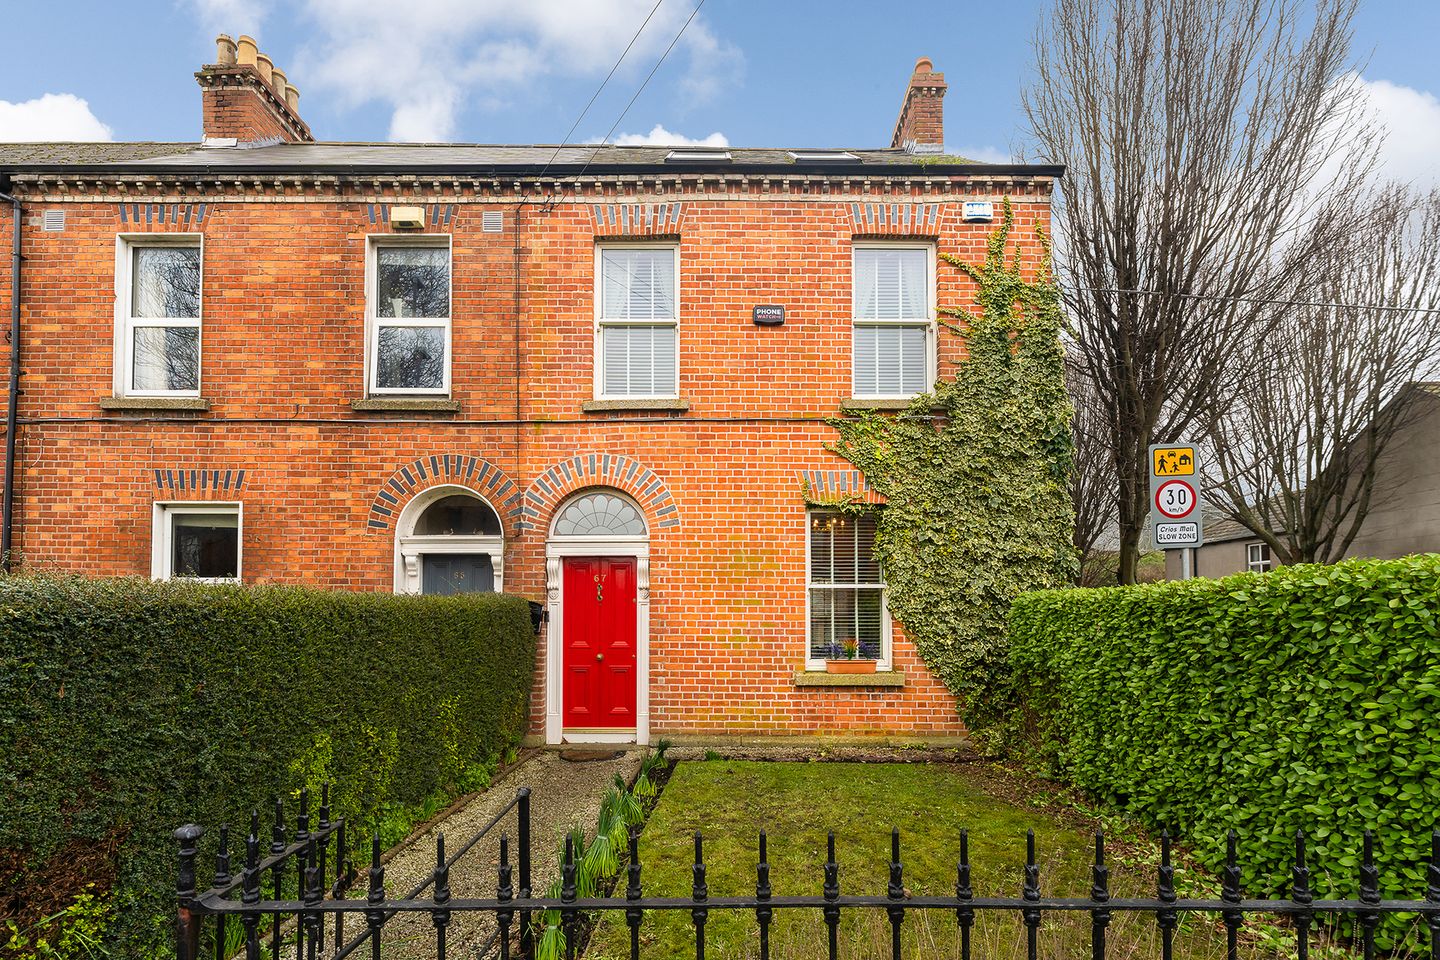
point(1198, 135)
point(1297, 457)
point(1092, 475)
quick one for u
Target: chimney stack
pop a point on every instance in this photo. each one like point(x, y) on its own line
point(921, 127)
point(245, 98)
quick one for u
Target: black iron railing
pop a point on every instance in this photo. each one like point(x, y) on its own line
point(297, 926)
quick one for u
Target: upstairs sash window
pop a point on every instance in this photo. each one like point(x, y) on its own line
point(638, 336)
point(892, 321)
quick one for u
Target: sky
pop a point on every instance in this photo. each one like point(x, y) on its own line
point(743, 73)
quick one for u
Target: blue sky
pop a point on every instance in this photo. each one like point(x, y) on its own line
point(754, 73)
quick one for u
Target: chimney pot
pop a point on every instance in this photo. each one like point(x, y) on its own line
point(224, 50)
point(279, 81)
point(265, 66)
point(924, 65)
point(245, 50)
point(292, 97)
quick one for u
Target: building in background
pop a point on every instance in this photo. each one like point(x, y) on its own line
point(1404, 514)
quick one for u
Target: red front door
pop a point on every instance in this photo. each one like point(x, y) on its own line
point(599, 642)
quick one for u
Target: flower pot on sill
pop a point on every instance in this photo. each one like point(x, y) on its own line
point(849, 666)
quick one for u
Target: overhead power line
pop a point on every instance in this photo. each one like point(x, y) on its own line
point(1266, 300)
point(596, 95)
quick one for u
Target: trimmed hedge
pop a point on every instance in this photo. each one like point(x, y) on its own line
point(1304, 698)
point(129, 707)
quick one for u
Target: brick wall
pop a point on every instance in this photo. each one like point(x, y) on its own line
point(283, 360)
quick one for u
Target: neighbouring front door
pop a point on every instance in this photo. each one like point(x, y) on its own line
point(599, 639)
point(456, 573)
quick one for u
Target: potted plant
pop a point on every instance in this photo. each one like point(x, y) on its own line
point(852, 661)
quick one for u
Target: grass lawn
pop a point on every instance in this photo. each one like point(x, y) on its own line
point(797, 802)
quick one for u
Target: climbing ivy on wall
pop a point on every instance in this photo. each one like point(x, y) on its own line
point(974, 476)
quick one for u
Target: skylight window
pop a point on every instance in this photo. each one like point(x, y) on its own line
point(697, 156)
point(820, 156)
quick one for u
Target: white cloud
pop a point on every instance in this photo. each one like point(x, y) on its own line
point(986, 154)
point(55, 116)
point(232, 16)
point(660, 137)
point(426, 60)
point(1411, 119)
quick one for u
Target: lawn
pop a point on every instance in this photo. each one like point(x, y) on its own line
point(797, 802)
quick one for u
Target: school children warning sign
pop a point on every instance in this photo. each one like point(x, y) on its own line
point(1175, 516)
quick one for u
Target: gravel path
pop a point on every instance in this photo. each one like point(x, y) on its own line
point(563, 792)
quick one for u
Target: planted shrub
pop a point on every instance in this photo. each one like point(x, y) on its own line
point(1307, 698)
point(129, 707)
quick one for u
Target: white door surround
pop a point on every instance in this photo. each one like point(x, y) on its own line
point(409, 548)
point(598, 542)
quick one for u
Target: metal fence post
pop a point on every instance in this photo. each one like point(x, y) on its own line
point(527, 932)
point(187, 921)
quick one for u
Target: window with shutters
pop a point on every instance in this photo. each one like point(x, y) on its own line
point(158, 316)
point(637, 299)
point(846, 590)
point(408, 315)
point(893, 347)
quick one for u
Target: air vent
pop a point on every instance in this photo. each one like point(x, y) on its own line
point(492, 221)
point(820, 156)
point(697, 156)
point(53, 221)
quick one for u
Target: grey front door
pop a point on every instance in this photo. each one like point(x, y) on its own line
point(446, 573)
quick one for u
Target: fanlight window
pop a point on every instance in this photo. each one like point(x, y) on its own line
point(600, 515)
point(458, 516)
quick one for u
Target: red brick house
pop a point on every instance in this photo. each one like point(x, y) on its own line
point(431, 368)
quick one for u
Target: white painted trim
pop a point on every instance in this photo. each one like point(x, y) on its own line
point(124, 340)
point(601, 322)
point(555, 552)
point(931, 331)
point(373, 322)
point(887, 626)
point(409, 549)
point(163, 513)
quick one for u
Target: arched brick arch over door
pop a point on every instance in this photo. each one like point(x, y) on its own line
point(598, 470)
point(479, 475)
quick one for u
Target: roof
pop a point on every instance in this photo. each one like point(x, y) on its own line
point(1220, 529)
point(475, 157)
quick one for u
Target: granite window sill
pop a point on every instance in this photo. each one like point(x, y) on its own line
point(884, 403)
point(157, 404)
point(819, 678)
point(407, 404)
point(671, 405)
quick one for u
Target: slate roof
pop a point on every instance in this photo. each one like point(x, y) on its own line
point(463, 157)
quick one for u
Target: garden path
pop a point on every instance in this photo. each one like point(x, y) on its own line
point(565, 790)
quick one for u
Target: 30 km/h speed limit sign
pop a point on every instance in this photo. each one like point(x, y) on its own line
point(1175, 499)
point(1175, 514)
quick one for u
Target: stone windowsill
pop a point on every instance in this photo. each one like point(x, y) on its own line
point(154, 403)
point(407, 404)
point(885, 403)
point(609, 406)
point(819, 678)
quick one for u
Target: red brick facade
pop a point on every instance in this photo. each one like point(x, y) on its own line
point(722, 483)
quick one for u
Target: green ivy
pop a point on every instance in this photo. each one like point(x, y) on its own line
point(1307, 698)
point(974, 477)
point(128, 708)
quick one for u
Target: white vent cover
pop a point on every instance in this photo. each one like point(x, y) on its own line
point(53, 221)
point(492, 221)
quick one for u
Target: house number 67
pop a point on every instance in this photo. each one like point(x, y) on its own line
point(599, 587)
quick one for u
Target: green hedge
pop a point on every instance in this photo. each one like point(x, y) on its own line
point(129, 707)
point(1304, 698)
